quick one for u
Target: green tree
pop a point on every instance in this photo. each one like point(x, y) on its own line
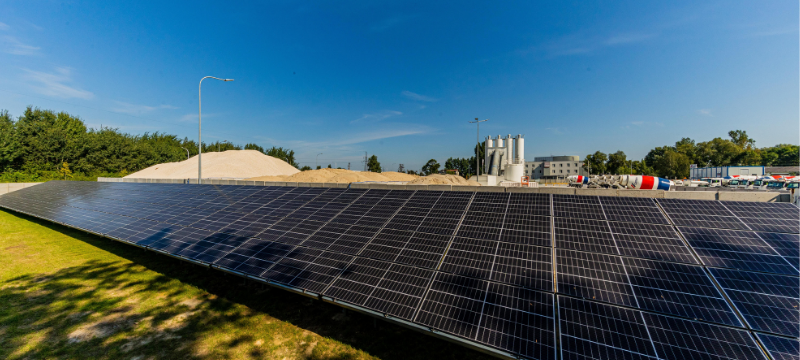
point(641, 168)
point(595, 163)
point(373, 165)
point(740, 138)
point(672, 164)
point(9, 142)
point(616, 162)
point(465, 167)
point(305, 168)
point(687, 147)
point(431, 167)
point(283, 154)
point(251, 146)
point(718, 152)
point(64, 171)
point(329, 166)
point(781, 155)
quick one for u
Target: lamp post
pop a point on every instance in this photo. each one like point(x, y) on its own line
point(200, 127)
point(316, 162)
point(478, 140)
point(187, 152)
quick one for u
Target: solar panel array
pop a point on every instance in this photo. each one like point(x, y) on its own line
point(535, 276)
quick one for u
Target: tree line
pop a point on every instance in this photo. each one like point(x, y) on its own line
point(42, 145)
point(672, 161)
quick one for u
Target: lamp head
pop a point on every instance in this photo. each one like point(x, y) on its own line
point(228, 80)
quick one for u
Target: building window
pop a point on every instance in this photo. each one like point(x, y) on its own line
point(561, 171)
point(567, 164)
point(576, 164)
point(567, 170)
point(561, 165)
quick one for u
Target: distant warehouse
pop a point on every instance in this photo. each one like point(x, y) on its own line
point(554, 167)
point(723, 171)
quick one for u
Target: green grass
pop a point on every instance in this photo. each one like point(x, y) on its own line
point(65, 294)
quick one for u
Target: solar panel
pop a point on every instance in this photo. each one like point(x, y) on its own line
point(519, 321)
point(788, 245)
point(593, 276)
point(480, 266)
point(763, 209)
point(781, 348)
point(768, 302)
point(585, 235)
point(453, 304)
point(742, 250)
point(649, 241)
point(678, 289)
point(772, 225)
point(683, 339)
point(591, 330)
point(470, 257)
point(524, 265)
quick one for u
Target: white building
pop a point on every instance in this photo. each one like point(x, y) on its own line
point(554, 167)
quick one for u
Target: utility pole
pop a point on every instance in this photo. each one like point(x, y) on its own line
point(478, 148)
point(316, 162)
point(200, 128)
point(365, 161)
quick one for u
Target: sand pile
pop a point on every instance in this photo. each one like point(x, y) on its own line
point(235, 164)
point(338, 176)
point(437, 179)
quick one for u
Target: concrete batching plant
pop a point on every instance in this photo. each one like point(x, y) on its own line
point(504, 161)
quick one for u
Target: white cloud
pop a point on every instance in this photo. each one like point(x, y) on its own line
point(13, 46)
point(556, 131)
point(4, 26)
point(577, 44)
point(377, 116)
point(55, 84)
point(637, 123)
point(705, 112)
point(381, 134)
point(134, 109)
point(418, 97)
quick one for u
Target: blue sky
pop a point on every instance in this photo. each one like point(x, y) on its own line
point(402, 79)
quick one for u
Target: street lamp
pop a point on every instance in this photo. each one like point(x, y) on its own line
point(187, 152)
point(200, 127)
point(477, 149)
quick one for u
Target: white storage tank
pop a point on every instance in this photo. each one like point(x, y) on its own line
point(514, 172)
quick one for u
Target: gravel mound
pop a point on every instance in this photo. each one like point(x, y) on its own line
point(338, 176)
point(436, 179)
point(233, 164)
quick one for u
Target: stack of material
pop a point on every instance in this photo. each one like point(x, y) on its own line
point(436, 179)
point(231, 164)
point(338, 176)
